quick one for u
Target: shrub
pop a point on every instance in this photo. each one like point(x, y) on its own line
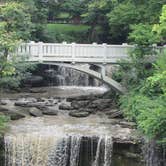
point(3, 121)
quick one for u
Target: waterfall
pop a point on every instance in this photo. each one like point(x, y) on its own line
point(62, 76)
point(107, 152)
point(48, 150)
point(154, 154)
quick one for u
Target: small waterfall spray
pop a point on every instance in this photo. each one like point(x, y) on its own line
point(106, 144)
point(74, 150)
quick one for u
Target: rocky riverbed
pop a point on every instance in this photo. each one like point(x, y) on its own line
point(72, 111)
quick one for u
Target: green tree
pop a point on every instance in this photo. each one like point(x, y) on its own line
point(161, 27)
point(14, 28)
point(129, 12)
point(96, 17)
point(74, 7)
point(16, 19)
point(120, 19)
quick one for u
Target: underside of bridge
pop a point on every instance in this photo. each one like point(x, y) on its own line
point(88, 69)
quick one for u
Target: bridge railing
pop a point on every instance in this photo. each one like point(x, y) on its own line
point(64, 52)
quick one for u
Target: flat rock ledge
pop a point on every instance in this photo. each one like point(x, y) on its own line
point(79, 114)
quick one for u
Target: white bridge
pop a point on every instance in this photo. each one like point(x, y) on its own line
point(78, 57)
point(81, 53)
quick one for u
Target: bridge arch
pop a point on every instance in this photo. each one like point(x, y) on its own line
point(85, 68)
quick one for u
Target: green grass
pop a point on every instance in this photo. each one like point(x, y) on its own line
point(66, 28)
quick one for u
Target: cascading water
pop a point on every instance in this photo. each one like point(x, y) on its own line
point(105, 159)
point(62, 76)
point(46, 142)
point(37, 150)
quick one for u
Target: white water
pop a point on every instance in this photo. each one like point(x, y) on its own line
point(37, 150)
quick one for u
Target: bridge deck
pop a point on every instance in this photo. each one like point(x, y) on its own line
point(83, 53)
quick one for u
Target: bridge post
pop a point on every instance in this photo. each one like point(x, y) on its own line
point(40, 51)
point(104, 53)
point(31, 49)
point(73, 52)
point(103, 72)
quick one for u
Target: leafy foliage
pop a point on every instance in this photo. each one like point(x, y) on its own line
point(67, 32)
point(3, 121)
point(147, 102)
point(161, 27)
point(16, 26)
point(16, 19)
point(142, 35)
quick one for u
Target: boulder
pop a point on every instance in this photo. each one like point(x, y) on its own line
point(41, 99)
point(21, 103)
point(37, 91)
point(117, 114)
point(3, 102)
point(87, 110)
point(14, 115)
point(4, 109)
point(101, 104)
point(83, 97)
point(110, 111)
point(64, 106)
point(35, 112)
point(31, 99)
point(37, 104)
point(80, 104)
point(49, 111)
point(125, 124)
point(78, 114)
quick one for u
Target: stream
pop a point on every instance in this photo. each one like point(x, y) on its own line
point(63, 140)
point(65, 121)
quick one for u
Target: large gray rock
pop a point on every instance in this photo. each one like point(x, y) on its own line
point(116, 114)
point(49, 111)
point(29, 104)
point(3, 102)
point(14, 115)
point(21, 103)
point(78, 114)
point(125, 124)
point(37, 91)
point(35, 112)
point(80, 104)
point(93, 111)
point(83, 97)
point(110, 111)
point(101, 104)
point(30, 99)
point(64, 106)
point(4, 109)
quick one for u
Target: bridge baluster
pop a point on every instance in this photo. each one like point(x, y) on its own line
point(40, 51)
point(73, 52)
point(104, 53)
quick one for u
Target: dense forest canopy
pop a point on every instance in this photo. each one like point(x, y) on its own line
point(110, 21)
